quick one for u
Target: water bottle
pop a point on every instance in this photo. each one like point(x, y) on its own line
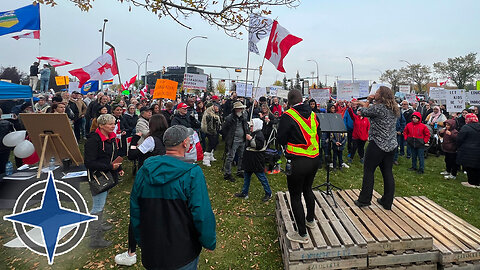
point(51, 166)
point(9, 168)
point(288, 167)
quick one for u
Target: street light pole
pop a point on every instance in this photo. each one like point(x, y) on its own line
point(146, 63)
point(318, 82)
point(103, 32)
point(353, 77)
point(186, 52)
point(138, 67)
point(229, 81)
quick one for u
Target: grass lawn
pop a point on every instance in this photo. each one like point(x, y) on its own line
point(246, 229)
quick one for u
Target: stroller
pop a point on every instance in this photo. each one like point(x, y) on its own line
point(435, 142)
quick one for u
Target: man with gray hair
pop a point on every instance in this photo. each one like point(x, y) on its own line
point(170, 195)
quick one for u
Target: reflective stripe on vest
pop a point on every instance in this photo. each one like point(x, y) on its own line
point(309, 134)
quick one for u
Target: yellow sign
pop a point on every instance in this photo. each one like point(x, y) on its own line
point(62, 80)
point(478, 85)
point(165, 89)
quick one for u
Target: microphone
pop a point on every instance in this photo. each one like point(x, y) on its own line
point(362, 98)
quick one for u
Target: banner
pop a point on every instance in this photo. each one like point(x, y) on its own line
point(473, 97)
point(195, 81)
point(363, 87)
point(346, 90)
point(404, 88)
point(243, 91)
point(165, 89)
point(455, 100)
point(62, 80)
point(321, 96)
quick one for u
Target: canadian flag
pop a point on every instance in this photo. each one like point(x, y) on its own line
point(144, 91)
point(279, 44)
point(129, 82)
point(54, 61)
point(34, 35)
point(102, 68)
point(445, 82)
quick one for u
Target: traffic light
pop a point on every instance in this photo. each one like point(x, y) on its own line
point(238, 70)
point(260, 69)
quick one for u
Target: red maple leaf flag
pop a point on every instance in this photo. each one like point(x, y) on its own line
point(54, 61)
point(33, 35)
point(129, 82)
point(102, 68)
point(144, 91)
point(279, 44)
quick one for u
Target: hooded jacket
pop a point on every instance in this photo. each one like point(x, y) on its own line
point(449, 144)
point(468, 143)
point(170, 212)
point(361, 125)
point(416, 134)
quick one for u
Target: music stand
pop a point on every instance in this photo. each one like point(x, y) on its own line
point(330, 122)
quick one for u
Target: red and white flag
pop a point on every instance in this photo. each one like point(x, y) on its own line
point(279, 44)
point(102, 68)
point(54, 61)
point(129, 82)
point(34, 35)
point(144, 91)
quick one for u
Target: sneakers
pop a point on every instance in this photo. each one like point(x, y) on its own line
point(444, 173)
point(331, 165)
point(125, 259)
point(212, 158)
point(243, 195)
point(267, 197)
point(345, 165)
point(449, 176)
point(229, 177)
point(206, 159)
point(310, 224)
point(360, 204)
point(295, 237)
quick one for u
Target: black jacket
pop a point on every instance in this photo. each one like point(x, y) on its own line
point(134, 153)
point(5, 128)
point(168, 115)
point(33, 71)
point(254, 161)
point(289, 131)
point(468, 143)
point(186, 120)
point(408, 115)
point(129, 122)
point(228, 128)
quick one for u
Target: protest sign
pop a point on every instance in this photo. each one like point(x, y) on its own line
point(165, 89)
point(473, 97)
point(437, 93)
point(259, 92)
point(62, 80)
point(273, 90)
point(478, 85)
point(404, 88)
point(321, 96)
point(455, 100)
point(243, 90)
point(363, 87)
point(73, 86)
point(195, 81)
point(346, 90)
point(375, 87)
point(411, 98)
point(282, 93)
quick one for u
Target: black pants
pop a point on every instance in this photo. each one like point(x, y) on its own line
point(301, 180)
point(451, 163)
point(4, 155)
point(132, 243)
point(77, 125)
point(350, 142)
point(360, 146)
point(376, 157)
point(212, 142)
point(473, 176)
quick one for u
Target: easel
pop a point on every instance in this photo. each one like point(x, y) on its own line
point(44, 139)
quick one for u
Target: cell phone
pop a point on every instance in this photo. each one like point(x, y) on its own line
point(8, 116)
point(118, 160)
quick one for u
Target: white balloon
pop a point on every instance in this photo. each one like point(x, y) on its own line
point(24, 149)
point(14, 138)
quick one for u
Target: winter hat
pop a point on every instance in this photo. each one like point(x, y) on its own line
point(471, 118)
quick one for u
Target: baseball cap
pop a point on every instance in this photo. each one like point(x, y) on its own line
point(174, 135)
point(182, 106)
point(145, 108)
point(215, 97)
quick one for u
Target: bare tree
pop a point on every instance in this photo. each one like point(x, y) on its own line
point(420, 75)
point(228, 15)
point(394, 77)
point(460, 69)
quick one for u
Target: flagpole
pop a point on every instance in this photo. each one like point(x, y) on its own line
point(258, 83)
point(116, 62)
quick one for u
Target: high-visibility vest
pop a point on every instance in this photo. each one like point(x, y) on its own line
point(309, 132)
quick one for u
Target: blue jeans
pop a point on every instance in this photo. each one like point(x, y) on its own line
point(98, 202)
point(418, 152)
point(247, 176)
point(337, 155)
point(193, 265)
point(44, 85)
point(236, 147)
point(401, 143)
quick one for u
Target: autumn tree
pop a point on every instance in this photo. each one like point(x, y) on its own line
point(221, 87)
point(460, 69)
point(278, 83)
point(419, 74)
point(394, 77)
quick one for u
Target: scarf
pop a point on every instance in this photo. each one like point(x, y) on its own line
point(436, 115)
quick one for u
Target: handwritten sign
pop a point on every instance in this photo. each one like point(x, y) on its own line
point(195, 81)
point(473, 97)
point(346, 90)
point(165, 89)
point(411, 98)
point(404, 88)
point(363, 87)
point(243, 90)
point(321, 96)
point(259, 92)
point(437, 93)
point(455, 100)
point(273, 90)
point(282, 93)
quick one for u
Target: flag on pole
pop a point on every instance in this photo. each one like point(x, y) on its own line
point(129, 82)
point(258, 29)
point(144, 91)
point(279, 44)
point(25, 18)
point(90, 86)
point(34, 35)
point(55, 62)
point(105, 82)
point(104, 67)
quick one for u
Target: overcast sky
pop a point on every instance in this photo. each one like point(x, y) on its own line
point(375, 34)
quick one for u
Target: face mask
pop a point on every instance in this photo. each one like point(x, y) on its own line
point(239, 114)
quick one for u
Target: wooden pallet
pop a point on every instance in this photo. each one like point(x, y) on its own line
point(335, 243)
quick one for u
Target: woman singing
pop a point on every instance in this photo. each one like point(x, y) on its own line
point(383, 116)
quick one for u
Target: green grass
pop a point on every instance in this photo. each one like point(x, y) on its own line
point(246, 229)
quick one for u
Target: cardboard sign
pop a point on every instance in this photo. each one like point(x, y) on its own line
point(62, 80)
point(321, 96)
point(363, 87)
point(404, 88)
point(473, 97)
point(437, 93)
point(195, 81)
point(455, 100)
point(243, 91)
point(165, 89)
point(346, 90)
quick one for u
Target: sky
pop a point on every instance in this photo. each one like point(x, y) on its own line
point(375, 34)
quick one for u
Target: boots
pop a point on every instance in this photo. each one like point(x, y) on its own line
point(212, 158)
point(206, 159)
point(97, 234)
point(104, 225)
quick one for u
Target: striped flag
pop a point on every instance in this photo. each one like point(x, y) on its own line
point(108, 81)
point(33, 35)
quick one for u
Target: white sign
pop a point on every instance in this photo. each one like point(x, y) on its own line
point(259, 92)
point(243, 91)
point(195, 81)
point(473, 97)
point(273, 90)
point(404, 88)
point(346, 90)
point(363, 87)
point(375, 87)
point(282, 93)
point(411, 98)
point(437, 93)
point(455, 100)
point(321, 96)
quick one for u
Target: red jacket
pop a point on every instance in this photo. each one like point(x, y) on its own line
point(340, 110)
point(276, 108)
point(361, 126)
point(417, 134)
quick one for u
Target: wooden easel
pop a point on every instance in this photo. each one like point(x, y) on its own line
point(44, 138)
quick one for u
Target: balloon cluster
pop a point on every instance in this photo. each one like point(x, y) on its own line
point(23, 148)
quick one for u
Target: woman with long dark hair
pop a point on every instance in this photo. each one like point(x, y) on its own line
point(383, 116)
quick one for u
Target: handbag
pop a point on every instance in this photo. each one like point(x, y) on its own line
point(101, 181)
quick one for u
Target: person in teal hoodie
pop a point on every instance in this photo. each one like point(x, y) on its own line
point(170, 210)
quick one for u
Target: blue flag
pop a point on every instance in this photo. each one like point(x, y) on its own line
point(27, 17)
point(90, 86)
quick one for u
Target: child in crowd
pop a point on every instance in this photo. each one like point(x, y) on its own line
point(449, 147)
point(417, 135)
point(338, 144)
point(361, 126)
